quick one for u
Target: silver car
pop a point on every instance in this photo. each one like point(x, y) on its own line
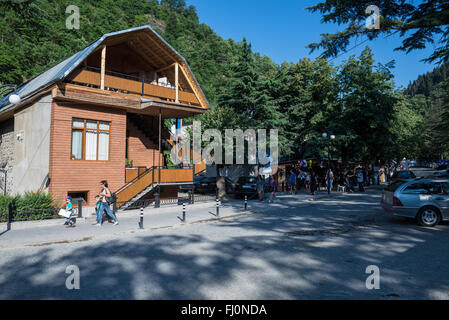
point(426, 200)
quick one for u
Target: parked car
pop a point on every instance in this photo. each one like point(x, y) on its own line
point(441, 169)
point(246, 186)
point(188, 187)
point(426, 200)
point(401, 175)
point(209, 185)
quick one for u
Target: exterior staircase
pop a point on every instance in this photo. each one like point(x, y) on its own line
point(148, 181)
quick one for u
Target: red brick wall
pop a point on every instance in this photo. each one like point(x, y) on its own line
point(67, 175)
point(141, 149)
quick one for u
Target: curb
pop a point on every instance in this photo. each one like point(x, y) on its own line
point(22, 225)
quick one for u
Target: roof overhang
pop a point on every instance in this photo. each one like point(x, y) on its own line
point(169, 110)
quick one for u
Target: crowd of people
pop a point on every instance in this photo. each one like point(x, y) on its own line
point(345, 178)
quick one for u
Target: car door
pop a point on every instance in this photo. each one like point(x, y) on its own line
point(441, 198)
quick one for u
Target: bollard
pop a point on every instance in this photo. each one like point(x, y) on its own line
point(183, 212)
point(10, 215)
point(246, 203)
point(157, 202)
point(190, 197)
point(80, 208)
point(218, 207)
point(141, 218)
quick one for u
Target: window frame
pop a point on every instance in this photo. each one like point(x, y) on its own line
point(83, 141)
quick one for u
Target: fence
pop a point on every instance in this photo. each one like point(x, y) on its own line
point(15, 215)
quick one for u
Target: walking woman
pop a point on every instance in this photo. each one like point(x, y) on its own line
point(105, 196)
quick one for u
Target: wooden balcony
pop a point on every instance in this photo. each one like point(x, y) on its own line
point(116, 82)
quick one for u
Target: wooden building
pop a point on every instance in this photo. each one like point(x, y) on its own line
point(78, 121)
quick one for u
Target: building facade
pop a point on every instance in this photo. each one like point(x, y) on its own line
point(99, 116)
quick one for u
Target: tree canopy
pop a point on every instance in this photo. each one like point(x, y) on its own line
point(419, 24)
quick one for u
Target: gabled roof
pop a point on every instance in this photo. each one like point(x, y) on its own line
point(63, 69)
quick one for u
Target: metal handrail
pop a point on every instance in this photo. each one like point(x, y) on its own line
point(134, 180)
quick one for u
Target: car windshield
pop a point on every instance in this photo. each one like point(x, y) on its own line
point(247, 180)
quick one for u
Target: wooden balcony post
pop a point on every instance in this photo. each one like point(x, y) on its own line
point(177, 82)
point(103, 67)
point(160, 134)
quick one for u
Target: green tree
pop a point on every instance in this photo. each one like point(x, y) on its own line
point(418, 23)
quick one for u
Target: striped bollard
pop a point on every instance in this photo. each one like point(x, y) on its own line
point(218, 207)
point(141, 218)
point(183, 212)
point(246, 203)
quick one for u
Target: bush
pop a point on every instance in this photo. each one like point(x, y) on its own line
point(5, 201)
point(30, 206)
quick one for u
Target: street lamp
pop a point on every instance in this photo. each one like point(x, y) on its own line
point(14, 98)
point(331, 137)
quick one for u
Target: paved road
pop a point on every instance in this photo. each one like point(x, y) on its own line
point(293, 249)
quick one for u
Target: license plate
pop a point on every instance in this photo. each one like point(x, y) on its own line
point(246, 187)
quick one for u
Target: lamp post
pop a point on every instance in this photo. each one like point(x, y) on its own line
point(330, 138)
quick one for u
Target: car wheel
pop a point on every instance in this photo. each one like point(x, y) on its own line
point(429, 217)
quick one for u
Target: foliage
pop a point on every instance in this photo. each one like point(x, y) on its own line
point(357, 101)
point(424, 20)
point(31, 205)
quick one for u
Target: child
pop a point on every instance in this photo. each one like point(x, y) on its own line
point(70, 221)
point(97, 210)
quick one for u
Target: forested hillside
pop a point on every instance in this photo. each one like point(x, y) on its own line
point(357, 100)
point(427, 82)
point(34, 37)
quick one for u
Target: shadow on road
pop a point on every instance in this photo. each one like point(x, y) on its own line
point(299, 252)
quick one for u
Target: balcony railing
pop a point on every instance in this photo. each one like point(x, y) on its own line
point(118, 82)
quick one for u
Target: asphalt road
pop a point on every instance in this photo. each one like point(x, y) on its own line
point(288, 250)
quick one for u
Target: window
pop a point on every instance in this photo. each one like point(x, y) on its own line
point(78, 195)
point(90, 140)
point(418, 188)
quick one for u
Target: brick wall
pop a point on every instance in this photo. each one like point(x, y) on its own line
point(141, 149)
point(67, 175)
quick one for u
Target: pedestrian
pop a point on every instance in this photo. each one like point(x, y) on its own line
point(360, 181)
point(105, 196)
point(272, 189)
point(329, 180)
point(70, 222)
point(292, 182)
point(260, 184)
point(313, 183)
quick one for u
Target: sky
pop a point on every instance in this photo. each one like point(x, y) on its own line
point(283, 29)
